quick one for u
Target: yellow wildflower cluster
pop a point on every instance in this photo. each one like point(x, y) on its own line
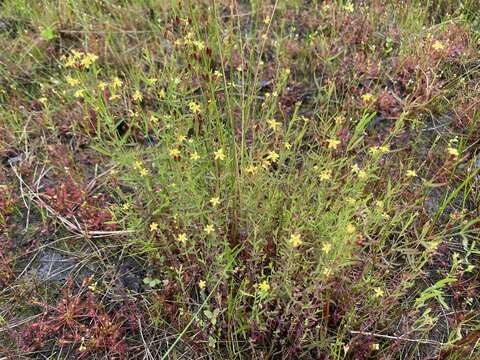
point(326, 247)
point(80, 59)
point(379, 150)
point(175, 153)
point(411, 173)
point(153, 227)
point(215, 201)
point(140, 168)
point(348, 7)
point(295, 240)
point(437, 45)
point(251, 169)
point(182, 238)
point(209, 229)
point(272, 156)
point(194, 156)
point(452, 147)
point(263, 288)
point(325, 175)
point(189, 41)
point(194, 107)
point(137, 96)
point(72, 81)
point(273, 124)
point(333, 143)
point(219, 154)
point(367, 98)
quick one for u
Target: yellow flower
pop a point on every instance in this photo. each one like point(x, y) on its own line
point(272, 156)
point(219, 155)
point(384, 149)
point(350, 229)
point(116, 82)
point(378, 292)
point(137, 96)
point(72, 81)
point(339, 119)
point(194, 156)
point(379, 150)
point(325, 175)
point(143, 172)
point(288, 146)
point(127, 206)
point(153, 226)
point(411, 173)
point(88, 60)
point(77, 54)
point(264, 287)
point(209, 229)
point(437, 46)
point(273, 124)
point(251, 169)
point(355, 168)
point(202, 284)
point(348, 7)
point(79, 93)
point(367, 98)
point(199, 44)
point(362, 174)
point(161, 94)
point(70, 62)
point(175, 152)
point(351, 201)
point(133, 114)
point(326, 247)
point(327, 271)
point(194, 107)
point(181, 138)
point(265, 164)
point(101, 85)
point(182, 238)
point(82, 346)
point(266, 20)
point(295, 240)
point(215, 201)
point(453, 151)
point(333, 143)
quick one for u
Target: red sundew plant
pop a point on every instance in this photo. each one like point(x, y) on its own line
point(80, 321)
point(71, 200)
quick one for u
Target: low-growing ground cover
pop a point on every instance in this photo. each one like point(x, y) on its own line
point(239, 179)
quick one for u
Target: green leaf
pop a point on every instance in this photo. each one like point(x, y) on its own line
point(48, 33)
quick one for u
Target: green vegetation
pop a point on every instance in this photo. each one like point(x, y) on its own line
point(239, 179)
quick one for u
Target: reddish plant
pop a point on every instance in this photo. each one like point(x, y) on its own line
point(71, 200)
point(79, 321)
